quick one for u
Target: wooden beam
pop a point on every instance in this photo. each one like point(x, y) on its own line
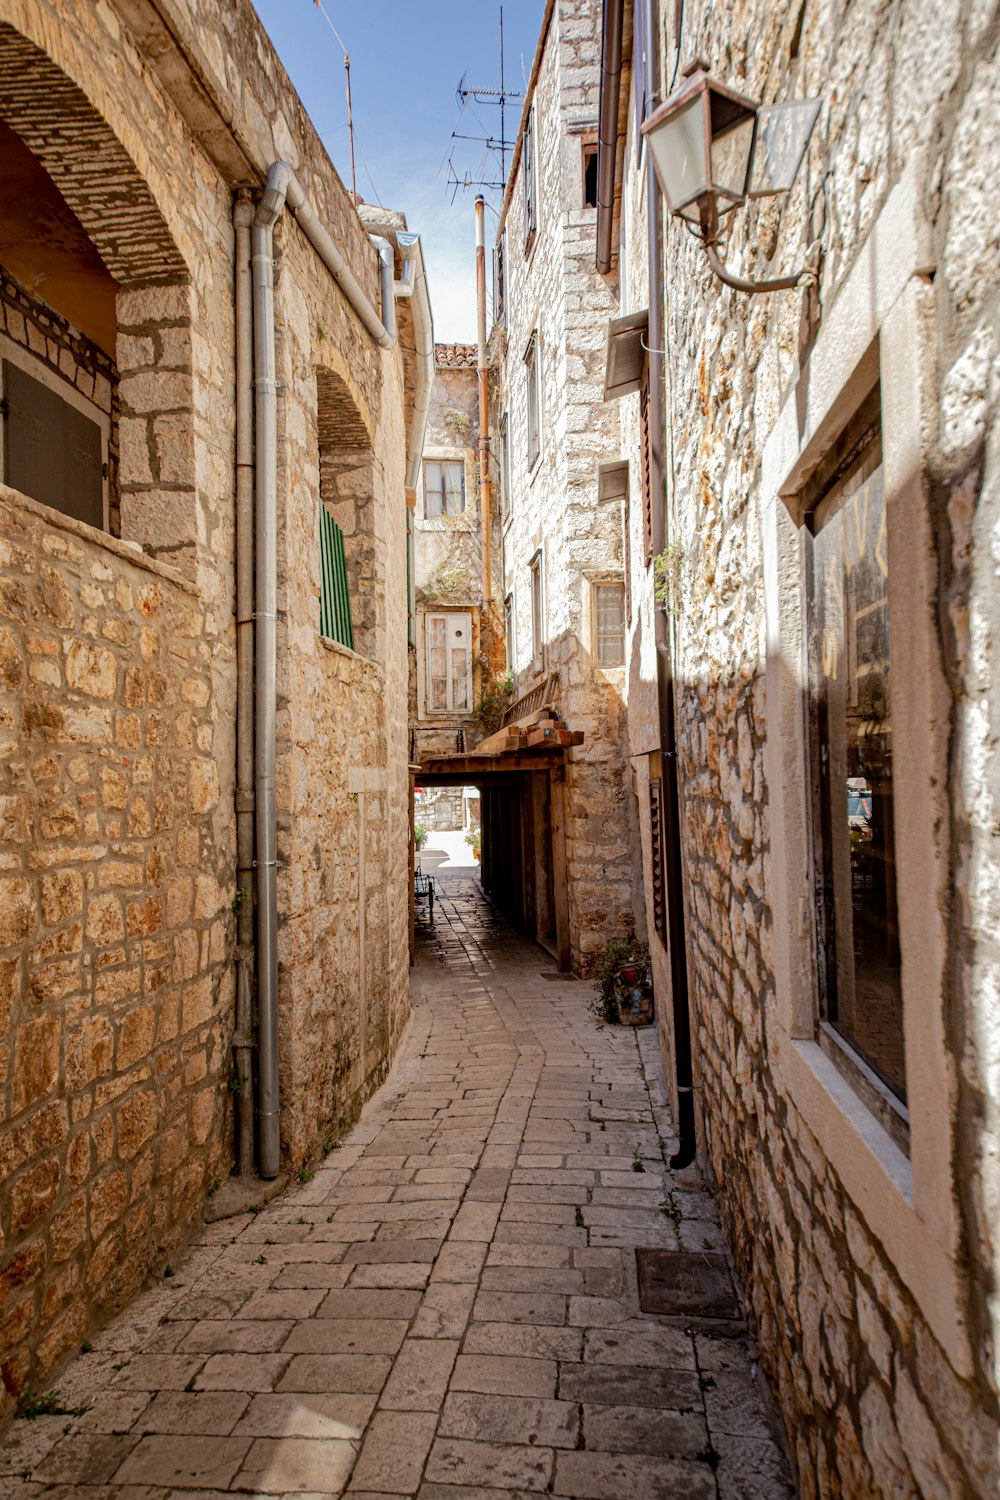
point(462, 770)
point(560, 890)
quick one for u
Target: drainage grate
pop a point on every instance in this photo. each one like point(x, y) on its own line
point(547, 974)
point(686, 1284)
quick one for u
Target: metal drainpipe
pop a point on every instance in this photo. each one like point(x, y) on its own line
point(282, 186)
point(677, 941)
point(607, 134)
point(414, 284)
point(484, 407)
point(243, 214)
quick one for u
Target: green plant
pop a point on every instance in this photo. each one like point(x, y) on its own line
point(305, 1175)
point(215, 1185)
point(45, 1404)
point(237, 902)
point(637, 1162)
point(235, 1082)
point(474, 839)
point(608, 975)
point(459, 424)
point(190, 1384)
point(419, 835)
point(168, 1270)
point(668, 566)
point(86, 1347)
point(494, 701)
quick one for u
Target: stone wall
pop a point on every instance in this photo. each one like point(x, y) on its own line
point(115, 940)
point(871, 1274)
point(555, 288)
point(119, 678)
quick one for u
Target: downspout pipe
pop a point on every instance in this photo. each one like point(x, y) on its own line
point(282, 187)
point(485, 497)
point(415, 277)
point(243, 215)
point(676, 936)
point(607, 132)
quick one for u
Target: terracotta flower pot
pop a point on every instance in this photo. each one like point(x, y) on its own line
point(630, 973)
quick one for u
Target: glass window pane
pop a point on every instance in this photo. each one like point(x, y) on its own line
point(453, 478)
point(437, 663)
point(610, 612)
point(853, 755)
point(433, 490)
point(459, 677)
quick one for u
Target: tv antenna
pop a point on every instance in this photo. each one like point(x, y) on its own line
point(490, 172)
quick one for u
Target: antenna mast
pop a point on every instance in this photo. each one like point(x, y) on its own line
point(490, 172)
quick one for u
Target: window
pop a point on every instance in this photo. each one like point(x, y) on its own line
point(532, 365)
point(449, 662)
point(627, 548)
point(528, 174)
point(537, 614)
point(508, 630)
point(851, 738)
point(334, 592)
point(647, 492)
point(444, 488)
point(505, 497)
point(590, 174)
point(53, 442)
point(609, 623)
point(500, 280)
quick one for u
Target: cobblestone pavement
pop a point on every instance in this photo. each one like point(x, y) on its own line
point(448, 1309)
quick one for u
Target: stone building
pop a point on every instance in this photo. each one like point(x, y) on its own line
point(821, 489)
point(137, 137)
point(563, 563)
point(447, 660)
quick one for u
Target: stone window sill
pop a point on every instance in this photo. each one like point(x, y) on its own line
point(129, 552)
point(345, 651)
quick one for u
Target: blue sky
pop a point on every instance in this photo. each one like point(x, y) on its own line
point(406, 63)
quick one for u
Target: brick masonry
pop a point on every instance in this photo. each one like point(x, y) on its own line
point(553, 286)
point(873, 1403)
point(118, 667)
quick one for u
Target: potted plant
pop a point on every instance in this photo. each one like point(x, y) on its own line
point(474, 839)
point(623, 995)
point(419, 836)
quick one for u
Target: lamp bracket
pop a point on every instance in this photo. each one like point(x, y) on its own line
point(808, 276)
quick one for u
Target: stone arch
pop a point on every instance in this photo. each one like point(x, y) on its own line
point(87, 162)
point(347, 489)
point(150, 330)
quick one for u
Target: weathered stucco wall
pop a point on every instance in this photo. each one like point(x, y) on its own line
point(119, 678)
point(556, 289)
point(872, 1275)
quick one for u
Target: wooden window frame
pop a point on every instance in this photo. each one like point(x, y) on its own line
point(596, 586)
point(529, 175)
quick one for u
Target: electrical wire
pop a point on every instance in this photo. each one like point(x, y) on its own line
point(680, 38)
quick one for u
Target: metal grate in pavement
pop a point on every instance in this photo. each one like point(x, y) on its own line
point(684, 1283)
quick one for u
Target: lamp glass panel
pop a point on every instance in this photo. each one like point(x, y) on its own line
point(731, 159)
point(783, 132)
point(678, 146)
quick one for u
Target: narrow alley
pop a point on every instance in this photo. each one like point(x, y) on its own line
point(448, 1308)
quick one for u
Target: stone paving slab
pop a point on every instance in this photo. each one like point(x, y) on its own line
point(448, 1309)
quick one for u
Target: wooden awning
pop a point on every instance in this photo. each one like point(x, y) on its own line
point(536, 742)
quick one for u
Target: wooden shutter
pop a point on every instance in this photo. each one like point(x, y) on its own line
point(334, 595)
point(627, 523)
point(52, 452)
point(647, 496)
point(656, 852)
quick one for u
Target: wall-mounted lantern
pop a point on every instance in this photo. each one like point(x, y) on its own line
point(713, 148)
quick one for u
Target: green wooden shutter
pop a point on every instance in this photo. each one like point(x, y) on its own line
point(334, 596)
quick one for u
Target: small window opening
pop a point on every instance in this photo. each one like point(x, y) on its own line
point(590, 175)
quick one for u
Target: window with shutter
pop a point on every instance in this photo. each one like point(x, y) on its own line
point(444, 488)
point(647, 498)
point(53, 449)
point(656, 853)
point(528, 174)
point(627, 550)
point(448, 650)
point(334, 594)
